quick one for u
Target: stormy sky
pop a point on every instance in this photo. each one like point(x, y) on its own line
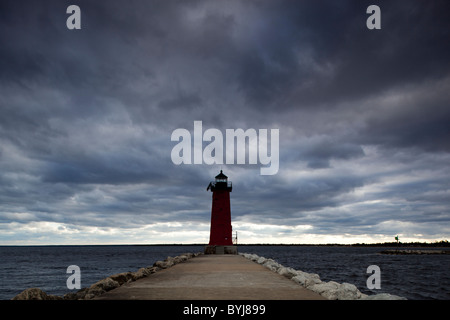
point(86, 118)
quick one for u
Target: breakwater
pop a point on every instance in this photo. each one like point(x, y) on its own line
point(106, 284)
point(426, 252)
point(331, 290)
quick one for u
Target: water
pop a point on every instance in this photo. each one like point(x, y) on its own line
point(415, 277)
point(411, 276)
point(45, 267)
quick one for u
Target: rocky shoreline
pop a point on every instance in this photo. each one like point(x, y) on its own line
point(330, 290)
point(106, 284)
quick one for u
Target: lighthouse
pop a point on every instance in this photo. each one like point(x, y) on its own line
point(220, 237)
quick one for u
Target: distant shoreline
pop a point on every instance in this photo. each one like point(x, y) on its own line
point(439, 244)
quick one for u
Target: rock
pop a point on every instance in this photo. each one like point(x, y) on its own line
point(180, 259)
point(160, 264)
point(306, 279)
point(123, 277)
point(35, 294)
point(261, 260)
point(153, 269)
point(100, 287)
point(165, 264)
point(188, 255)
point(144, 272)
point(337, 291)
point(31, 294)
point(79, 295)
point(92, 294)
point(255, 257)
point(287, 272)
point(362, 296)
point(141, 273)
point(272, 265)
point(383, 296)
point(348, 291)
point(250, 256)
point(106, 284)
point(70, 296)
point(326, 289)
point(170, 261)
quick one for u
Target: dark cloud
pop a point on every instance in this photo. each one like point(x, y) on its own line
point(413, 117)
point(86, 115)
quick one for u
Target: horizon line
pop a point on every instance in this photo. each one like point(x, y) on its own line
point(444, 241)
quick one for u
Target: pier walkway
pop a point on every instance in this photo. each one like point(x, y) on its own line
point(212, 277)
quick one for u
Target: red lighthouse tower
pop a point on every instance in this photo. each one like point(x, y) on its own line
point(220, 238)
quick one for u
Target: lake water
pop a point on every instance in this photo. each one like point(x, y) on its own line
point(415, 277)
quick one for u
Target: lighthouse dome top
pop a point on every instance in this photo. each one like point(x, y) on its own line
point(221, 176)
point(221, 183)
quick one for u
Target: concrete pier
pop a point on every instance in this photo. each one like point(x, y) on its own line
point(213, 277)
